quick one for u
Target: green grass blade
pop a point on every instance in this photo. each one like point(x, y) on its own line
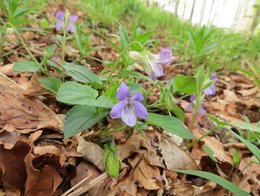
point(250, 146)
point(219, 180)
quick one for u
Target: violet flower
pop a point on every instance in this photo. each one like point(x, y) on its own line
point(60, 22)
point(189, 107)
point(153, 62)
point(211, 90)
point(129, 106)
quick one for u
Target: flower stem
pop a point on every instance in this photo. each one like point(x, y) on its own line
point(203, 136)
point(63, 47)
point(120, 56)
point(23, 43)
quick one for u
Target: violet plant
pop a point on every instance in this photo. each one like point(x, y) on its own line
point(94, 97)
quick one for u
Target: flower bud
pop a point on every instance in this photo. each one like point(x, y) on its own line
point(9, 30)
point(112, 162)
point(168, 101)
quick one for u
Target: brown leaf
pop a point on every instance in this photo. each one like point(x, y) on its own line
point(238, 95)
point(131, 145)
point(171, 157)
point(35, 88)
point(145, 175)
point(22, 112)
point(49, 149)
point(8, 139)
point(12, 167)
point(46, 183)
point(85, 169)
point(43, 174)
point(215, 145)
point(91, 152)
point(8, 70)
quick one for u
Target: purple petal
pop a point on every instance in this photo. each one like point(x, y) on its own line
point(60, 15)
point(192, 98)
point(128, 116)
point(123, 92)
point(59, 25)
point(140, 110)
point(156, 70)
point(165, 56)
point(189, 107)
point(137, 96)
point(211, 90)
point(214, 77)
point(116, 111)
point(71, 27)
point(202, 111)
point(73, 18)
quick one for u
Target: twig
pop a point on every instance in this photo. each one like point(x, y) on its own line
point(91, 184)
point(76, 186)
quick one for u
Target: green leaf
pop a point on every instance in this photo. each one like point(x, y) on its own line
point(250, 146)
point(75, 93)
point(26, 66)
point(44, 23)
point(178, 112)
point(236, 157)
point(219, 123)
point(51, 83)
point(124, 37)
point(209, 152)
point(80, 118)
point(246, 126)
point(81, 74)
point(217, 179)
point(170, 124)
point(49, 51)
point(185, 84)
point(103, 102)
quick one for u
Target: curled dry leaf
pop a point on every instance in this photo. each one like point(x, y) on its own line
point(22, 112)
point(43, 176)
point(8, 139)
point(91, 152)
point(49, 149)
point(12, 167)
point(34, 88)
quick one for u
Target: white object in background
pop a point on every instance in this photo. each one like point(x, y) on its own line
point(233, 14)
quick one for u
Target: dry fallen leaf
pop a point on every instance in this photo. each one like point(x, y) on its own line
point(23, 112)
point(8, 139)
point(34, 88)
point(43, 177)
point(91, 152)
point(215, 145)
point(49, 149)
point(145, 175)
point(170, 156)
point(12, 167)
